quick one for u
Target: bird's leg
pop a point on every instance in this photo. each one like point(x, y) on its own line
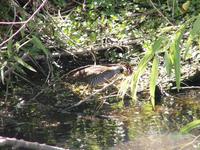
point(102, 102)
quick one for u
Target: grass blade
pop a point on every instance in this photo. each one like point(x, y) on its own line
point(153, 79)
point(196, 27)
point(136, 76)
point(23, 63)
point(174, 48)
point(36, 41)
point(124, 87)
point(187, 128)
point(157, 45)
point(188, 44)
point(168, 63)
point(193, 33)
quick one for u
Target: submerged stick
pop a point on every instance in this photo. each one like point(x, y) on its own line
point(16, 143)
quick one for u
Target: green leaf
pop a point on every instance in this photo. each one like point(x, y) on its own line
point(157, 45)
point(177, 66)
point(185, 6)
point(196, 27)
point(168, 63)
point(193, 33)
point(19, 69)
point(23, 63)
point(136, 76)
point(188, 44)
point(174, 48)
point(9, 48)
point(187, 128)
point(36, 41)
point(167, 29)
point(17, 46)
point(153, 79)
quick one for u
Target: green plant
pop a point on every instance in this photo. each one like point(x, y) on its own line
point(173, 55)
point(192, 125)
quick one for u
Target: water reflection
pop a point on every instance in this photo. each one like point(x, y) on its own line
point(132, 128)
point(90, 133)
point(172, 141)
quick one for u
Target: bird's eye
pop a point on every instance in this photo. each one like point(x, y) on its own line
point(121, 70)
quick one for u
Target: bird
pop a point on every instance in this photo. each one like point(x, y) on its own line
point(97, 74)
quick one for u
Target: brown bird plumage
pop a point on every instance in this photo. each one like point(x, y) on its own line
point(96, 74)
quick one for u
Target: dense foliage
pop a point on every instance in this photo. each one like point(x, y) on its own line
point(100, 23)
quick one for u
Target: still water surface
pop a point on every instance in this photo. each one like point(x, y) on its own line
point(131, 128)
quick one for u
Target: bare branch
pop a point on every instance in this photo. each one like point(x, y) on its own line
point(15, 143)
point(87, 99)
point(25, 23)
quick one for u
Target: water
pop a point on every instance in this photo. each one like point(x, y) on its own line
point(139, 127)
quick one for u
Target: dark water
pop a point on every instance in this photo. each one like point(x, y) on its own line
point(130, 128)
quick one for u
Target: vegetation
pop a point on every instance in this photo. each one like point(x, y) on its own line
point(42, 40)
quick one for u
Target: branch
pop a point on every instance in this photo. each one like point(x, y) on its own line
point(15, 143)
point(186, 88)
point(25, 23)
point(161, 13)
point(87, 99)
point(7, 23)
point(190, 143)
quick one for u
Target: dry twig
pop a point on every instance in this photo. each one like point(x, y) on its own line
point(15, 143)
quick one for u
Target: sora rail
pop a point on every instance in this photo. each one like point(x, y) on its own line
point(97, 74)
